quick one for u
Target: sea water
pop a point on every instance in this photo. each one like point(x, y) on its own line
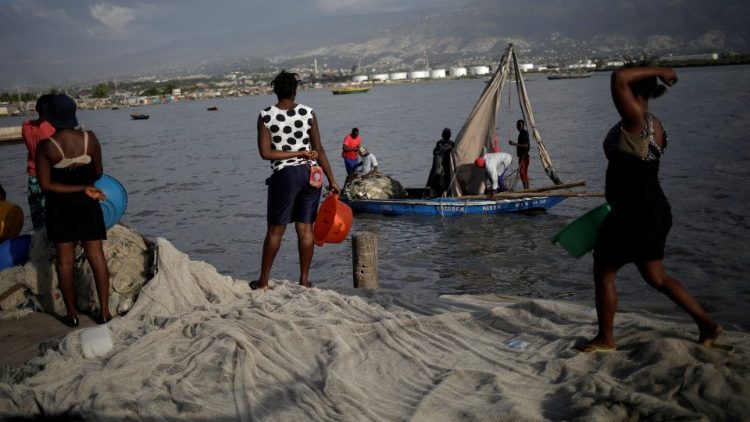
point(195, 178)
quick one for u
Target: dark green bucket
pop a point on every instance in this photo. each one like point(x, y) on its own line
point(579, 236)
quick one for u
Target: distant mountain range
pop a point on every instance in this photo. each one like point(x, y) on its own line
point(475, 31)
point(546, 30)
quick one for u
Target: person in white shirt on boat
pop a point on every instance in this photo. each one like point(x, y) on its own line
point(368, 167)
point(495, 163)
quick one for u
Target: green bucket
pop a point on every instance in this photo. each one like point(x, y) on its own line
point(579, 236)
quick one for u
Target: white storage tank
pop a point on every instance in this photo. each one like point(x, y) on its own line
point(457, 71)
point(419, 74)
point(380, 77)
point(398, 76)
point(527, 67)
point(479, 70)
point(437, 73)
point(359, 78)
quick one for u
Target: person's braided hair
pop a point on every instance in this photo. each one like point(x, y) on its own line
point(285, 84)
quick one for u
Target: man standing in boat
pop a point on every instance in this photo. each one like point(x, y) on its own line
point(352, 142)
point(439, 179)
point(522, 151)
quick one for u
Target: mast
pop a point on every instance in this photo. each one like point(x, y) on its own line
point(479, 128)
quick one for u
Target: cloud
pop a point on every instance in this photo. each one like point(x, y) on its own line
point(360, 6)
point(114, 19)
point(53, 15)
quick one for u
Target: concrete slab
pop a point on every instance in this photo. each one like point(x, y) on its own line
point(20, 338)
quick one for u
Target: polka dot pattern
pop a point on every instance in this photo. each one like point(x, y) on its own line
point(288, 129)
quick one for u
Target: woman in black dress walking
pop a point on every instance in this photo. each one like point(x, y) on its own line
point(636, 229)
point(67, 165)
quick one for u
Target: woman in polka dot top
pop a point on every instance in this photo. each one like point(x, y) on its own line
point(288, 137)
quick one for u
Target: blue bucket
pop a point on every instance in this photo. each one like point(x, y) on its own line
point(14, 251)
point(116, 201)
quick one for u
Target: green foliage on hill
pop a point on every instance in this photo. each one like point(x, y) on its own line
point(100, 91)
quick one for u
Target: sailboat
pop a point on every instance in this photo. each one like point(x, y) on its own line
point(476, 135)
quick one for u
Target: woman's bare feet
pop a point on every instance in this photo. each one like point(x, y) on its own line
point(709, 334)
point(255, 285)
point(595, 345)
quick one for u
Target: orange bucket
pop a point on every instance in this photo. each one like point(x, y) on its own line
point(333, 222)
point(11, 220)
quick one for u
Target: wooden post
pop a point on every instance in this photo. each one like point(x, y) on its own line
point(365, 260)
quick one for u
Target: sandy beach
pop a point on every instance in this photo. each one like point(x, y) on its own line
point(198, 345)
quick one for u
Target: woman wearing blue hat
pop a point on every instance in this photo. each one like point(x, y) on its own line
point(67, 166)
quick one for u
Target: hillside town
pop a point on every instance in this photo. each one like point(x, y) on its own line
point(154, 90)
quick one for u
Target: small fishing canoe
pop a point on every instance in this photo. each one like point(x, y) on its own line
point(350, 90)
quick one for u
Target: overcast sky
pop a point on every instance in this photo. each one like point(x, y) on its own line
point(49, 32)
point(57, 41)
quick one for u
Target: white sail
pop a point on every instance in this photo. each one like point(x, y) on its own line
point(478, 130)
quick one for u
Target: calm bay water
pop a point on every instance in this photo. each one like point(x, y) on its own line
point(195, 178)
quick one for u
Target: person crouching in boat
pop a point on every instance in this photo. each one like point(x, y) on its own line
point(368, 167)
point(495, 164)
point(289, 138)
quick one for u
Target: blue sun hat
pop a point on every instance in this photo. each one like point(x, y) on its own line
point(61, 112)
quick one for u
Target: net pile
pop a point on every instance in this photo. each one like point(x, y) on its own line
point(129, 260)
point(377, 186)
point(201, 346)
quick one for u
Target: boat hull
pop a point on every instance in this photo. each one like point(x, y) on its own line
point(570, 76)
point(351, 91)
point(451, 207)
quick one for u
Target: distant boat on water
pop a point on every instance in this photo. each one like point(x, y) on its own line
point(350, 90)
point(569, 75)
point(212, 108)
point(139, 116)
point(11, 133)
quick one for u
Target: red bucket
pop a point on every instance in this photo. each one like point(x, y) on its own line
point(333, 222)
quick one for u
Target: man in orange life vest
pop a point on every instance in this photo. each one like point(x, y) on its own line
point(350, 151)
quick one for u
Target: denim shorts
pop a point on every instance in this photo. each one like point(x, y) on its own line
point(351, 165)
point(290, 196)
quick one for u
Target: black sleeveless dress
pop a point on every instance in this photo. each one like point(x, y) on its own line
point(637, 227)
point(73, 217)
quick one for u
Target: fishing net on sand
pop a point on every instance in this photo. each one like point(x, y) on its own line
point(129, 259)
point(201, 346)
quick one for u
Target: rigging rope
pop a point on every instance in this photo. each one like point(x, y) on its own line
point(526, 108)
